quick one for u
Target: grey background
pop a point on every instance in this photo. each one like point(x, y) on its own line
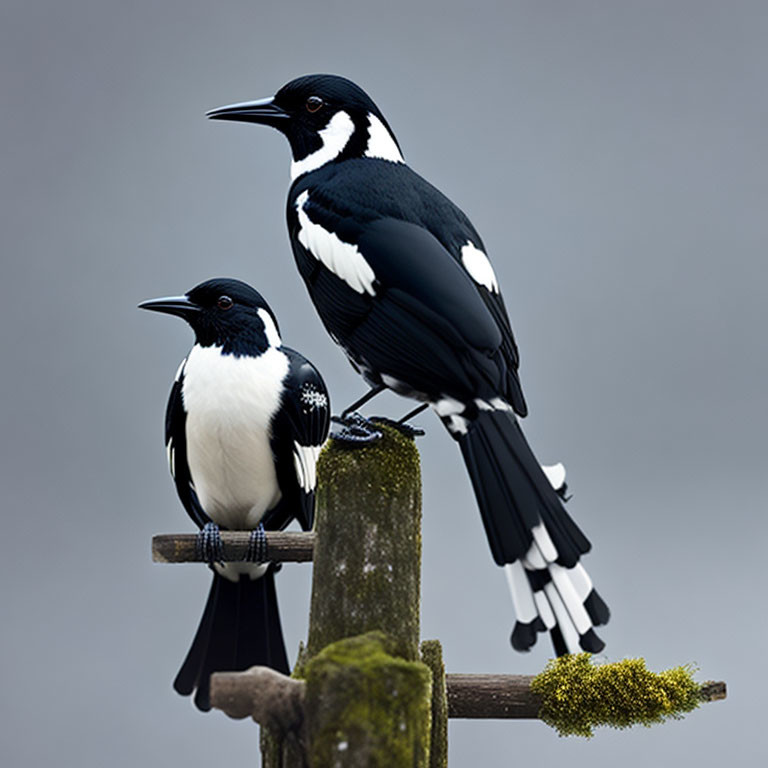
point(613, 156)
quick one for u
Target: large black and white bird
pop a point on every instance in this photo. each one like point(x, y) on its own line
point(245, 422)
point(401, 281)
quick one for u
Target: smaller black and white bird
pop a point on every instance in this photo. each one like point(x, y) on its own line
point(245, 423)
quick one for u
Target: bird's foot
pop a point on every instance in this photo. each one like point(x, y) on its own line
point(257, 546)
point(404, 429)
point(210, 548)
point(354, 430)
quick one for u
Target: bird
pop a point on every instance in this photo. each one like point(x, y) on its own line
point(245, 422)
point(402, 282)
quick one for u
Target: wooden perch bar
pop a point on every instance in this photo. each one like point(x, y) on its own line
point(282, 547)
point(272, 699)
point(510, 696)
point(491, 696)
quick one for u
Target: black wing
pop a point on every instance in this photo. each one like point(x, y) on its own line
point(425, 326)
point(299, 430)
point(355, 199)
point(176, 445)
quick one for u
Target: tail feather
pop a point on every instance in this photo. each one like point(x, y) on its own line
point(529, 531)
point(186, 679)
point(240, 628)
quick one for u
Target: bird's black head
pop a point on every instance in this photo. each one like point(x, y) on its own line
point(226, 313)
point(326, 118)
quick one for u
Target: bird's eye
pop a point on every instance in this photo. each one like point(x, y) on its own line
point(225, 302)
point(314, 103)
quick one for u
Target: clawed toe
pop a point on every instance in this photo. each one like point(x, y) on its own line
point(257, 546)
point(354, 430)
point(210, 548)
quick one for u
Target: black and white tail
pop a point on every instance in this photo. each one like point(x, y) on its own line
point(528, 529)
point(240, 628)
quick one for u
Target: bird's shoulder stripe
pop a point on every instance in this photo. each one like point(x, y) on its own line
point(342, 258)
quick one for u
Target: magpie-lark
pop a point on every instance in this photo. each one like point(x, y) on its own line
point(402, 282)
point(245, 423)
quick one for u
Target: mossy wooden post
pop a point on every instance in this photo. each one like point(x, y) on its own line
point(368, 696)
point(367, 561)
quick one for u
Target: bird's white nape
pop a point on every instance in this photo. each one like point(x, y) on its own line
point(381, 144)
point(334, 136)
point(343, 259)
point(270, 329)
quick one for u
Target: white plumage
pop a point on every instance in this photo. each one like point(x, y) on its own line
point(381, 145)
point(561, 601)
point(230, 402)
point(334, 136)
point(343, 259)
point(479, 267)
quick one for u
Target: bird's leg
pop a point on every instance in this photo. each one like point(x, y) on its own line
point(257, 546)
point(369, 395)
point(401, 425)
point(409, 430)
point(415, 412)
point(210, 548)
point(354, 429)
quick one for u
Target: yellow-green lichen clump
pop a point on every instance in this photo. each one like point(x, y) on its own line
point(579, 695)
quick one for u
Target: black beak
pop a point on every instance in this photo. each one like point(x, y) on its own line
point(172, 305)
point(263, 111)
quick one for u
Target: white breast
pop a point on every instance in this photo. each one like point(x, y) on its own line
point(230, 402)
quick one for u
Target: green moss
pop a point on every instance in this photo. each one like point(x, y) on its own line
point(391, 464)
point(366, 706)
point(367, 558)
point(432, 656)
point(579, 695)
point(271, 748)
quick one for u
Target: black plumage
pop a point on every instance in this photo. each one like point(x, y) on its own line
point(245, 421)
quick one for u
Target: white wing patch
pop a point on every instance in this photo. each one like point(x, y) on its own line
point(343, 259)
point(381, 144)
point(555, 474)
point(304, 461)
point(479, 268)
point(171, 451)
point(335, 136)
